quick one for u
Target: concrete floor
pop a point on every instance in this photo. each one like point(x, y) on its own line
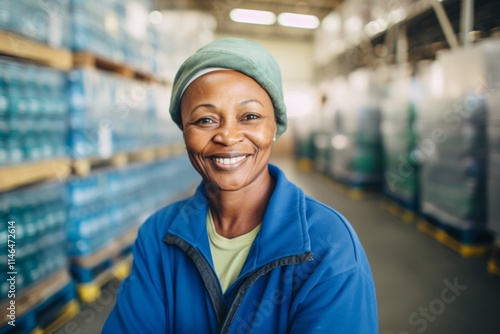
point(411, 271)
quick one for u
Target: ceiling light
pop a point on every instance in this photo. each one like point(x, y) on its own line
point(332, 23)
point(397, 15)
point(340, 142)
point(155, 17)
point(252, 16)
point(372, 28)
point(298, 20)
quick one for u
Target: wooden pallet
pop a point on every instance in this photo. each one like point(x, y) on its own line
point(49, 315)
point(17, 46)
point(111, 250)
point(178, 148)
point(444, 238)
point(66, 313)
point(494, 261)
point(305, 164)
point(19, 175)
point(355, 193)
point(165, 152)
point(91, 291)
point(493, 267)
point(398, 211)
point(88, 60)
point(30, 297)
point(84, 166)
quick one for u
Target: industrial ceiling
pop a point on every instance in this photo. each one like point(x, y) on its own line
point(220, 9)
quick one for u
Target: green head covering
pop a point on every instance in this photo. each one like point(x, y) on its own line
point(236, 54)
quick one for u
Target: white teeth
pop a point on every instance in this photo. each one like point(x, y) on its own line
point(229, 161)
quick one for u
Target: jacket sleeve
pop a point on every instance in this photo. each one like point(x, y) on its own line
point(139, 307)
point(335, 292)
point(344, 303)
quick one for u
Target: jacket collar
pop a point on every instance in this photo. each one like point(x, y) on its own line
point(283, 232)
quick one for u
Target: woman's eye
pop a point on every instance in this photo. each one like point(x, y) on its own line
point(204, 120)
point(250, 116)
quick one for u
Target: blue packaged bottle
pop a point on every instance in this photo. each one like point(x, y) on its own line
point(6, 13)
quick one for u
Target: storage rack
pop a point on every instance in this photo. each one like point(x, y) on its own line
point(421, 45)
point(22, 48)
point(48, 303)
point(428, 27)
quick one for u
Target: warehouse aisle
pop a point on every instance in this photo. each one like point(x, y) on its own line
point(411, 270)
point(421, 285)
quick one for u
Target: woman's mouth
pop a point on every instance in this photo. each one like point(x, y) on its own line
point(228, 161)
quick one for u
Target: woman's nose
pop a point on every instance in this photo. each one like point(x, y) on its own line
point(228, 133)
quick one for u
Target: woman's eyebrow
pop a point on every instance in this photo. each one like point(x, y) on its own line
point(203, 105)
point(242, 103)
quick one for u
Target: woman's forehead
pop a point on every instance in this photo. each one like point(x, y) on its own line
point(225, 75)
point(223, 82)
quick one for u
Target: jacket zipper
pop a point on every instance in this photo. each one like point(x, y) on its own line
point(226, 317)
point(207, 274)
point(249, 280)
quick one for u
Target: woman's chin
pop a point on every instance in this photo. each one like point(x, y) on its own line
point(215, 186)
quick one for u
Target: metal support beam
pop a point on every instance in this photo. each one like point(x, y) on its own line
point(402, 46)
point(445, 24)
point(467, 21)
point(390, 43)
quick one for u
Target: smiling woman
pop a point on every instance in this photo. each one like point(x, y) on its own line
point(248, 252)
point(229, 125)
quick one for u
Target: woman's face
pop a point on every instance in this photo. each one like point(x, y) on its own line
point(229, 124)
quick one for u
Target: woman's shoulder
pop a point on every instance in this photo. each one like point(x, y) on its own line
point(158, 223)
point(330, 232)
point(325, 218)
point(325, 226)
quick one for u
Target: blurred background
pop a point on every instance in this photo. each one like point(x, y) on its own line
point(394, 120)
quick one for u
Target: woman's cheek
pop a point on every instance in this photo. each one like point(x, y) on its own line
point(264, 137)
point(191, 138)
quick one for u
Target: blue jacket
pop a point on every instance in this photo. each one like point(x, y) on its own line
point(306, 272)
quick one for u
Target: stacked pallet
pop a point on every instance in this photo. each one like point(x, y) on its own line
point(106, 207)
point(80, 103)
point(401, 160)
point(36, 285)
point(493, 131)
point(452, 124)
point(37, 292)
point(356, 143)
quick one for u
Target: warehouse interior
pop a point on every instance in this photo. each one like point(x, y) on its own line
point(393, 120)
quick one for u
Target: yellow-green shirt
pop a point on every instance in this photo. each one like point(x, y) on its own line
point(228, 255)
